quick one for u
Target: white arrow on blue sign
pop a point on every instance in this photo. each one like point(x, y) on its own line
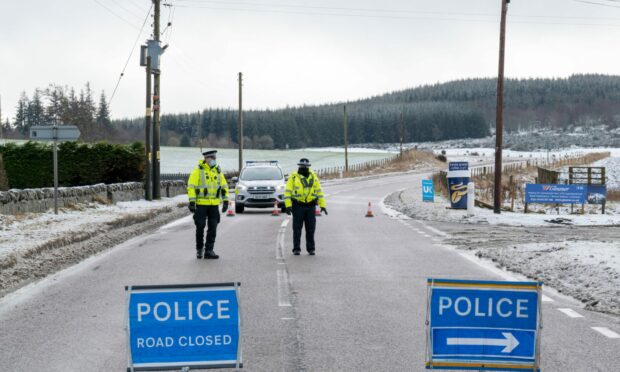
point(483, 325)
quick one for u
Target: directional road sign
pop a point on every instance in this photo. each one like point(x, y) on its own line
point(178, 326)
point(483, 325)
point(53, 132)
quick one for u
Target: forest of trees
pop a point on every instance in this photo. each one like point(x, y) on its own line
point(453, 110)
point(579, 100)
point(62, 105)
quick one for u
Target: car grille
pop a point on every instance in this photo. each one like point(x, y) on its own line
point(262, 190)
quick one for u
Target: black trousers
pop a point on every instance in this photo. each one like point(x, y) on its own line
point(206, 215)
point(303, 215)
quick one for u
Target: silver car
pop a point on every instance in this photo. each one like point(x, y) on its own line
point(260, 185)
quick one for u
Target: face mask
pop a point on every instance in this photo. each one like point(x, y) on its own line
point(304, 171)
point(211, 162)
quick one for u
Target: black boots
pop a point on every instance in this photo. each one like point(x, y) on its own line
point(210, 255)
point(199, 254)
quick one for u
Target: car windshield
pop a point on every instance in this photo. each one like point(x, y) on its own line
point(261, 174)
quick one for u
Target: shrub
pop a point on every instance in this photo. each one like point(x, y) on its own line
point(4, 183)
point(31, 165)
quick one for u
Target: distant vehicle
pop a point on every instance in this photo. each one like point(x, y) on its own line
point(260, 185)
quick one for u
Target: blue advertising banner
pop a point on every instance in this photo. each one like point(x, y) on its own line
point(597, 194)
point(428, 191)
point(176, 326)
point(483, 325)
point(458, 166)
point(555, 194)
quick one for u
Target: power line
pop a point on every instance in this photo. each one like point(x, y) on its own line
point(130, 54)
point(116, 14)
point(126, 9)
point(380, 10)
point(599, 4)
point(340, 14)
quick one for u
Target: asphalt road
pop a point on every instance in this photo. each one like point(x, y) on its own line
point(359, 305)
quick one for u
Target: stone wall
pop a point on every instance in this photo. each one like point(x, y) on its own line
point(41, 200)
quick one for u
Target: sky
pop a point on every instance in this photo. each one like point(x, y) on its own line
point(294, 52)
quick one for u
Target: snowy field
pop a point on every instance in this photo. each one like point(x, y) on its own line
point(184, 159)
point(612, 170)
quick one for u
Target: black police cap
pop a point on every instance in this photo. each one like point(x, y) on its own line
point(210, 153)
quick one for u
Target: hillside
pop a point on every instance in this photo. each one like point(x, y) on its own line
point(453, 110)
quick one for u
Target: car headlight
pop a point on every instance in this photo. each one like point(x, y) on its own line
point(241, 187)
point(280, 188)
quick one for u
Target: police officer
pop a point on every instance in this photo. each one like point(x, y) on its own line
point(205, 188)
point(303, 193)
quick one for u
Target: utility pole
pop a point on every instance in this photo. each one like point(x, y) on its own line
point(156, 105)
point(346, 139)
point(148, 192)
point(499, 120)
point(240, 122)
point(1, 125)
point(402, 133)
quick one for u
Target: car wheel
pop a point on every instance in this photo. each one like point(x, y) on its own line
point(239, 208)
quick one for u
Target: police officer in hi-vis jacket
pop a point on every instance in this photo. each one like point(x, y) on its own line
point(206, 187)
point(302, 194)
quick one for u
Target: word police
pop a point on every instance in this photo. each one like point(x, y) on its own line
point(465, 306)
point(203, 310)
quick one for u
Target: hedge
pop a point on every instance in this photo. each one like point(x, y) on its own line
point(31, 165)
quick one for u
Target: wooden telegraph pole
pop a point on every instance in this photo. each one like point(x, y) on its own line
point(402, 133)
point(346, 139)
point(148, 192)
point(156, 107)
point(240, 122)
point(499, 120)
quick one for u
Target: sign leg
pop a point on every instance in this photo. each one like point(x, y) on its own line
point(55, 177)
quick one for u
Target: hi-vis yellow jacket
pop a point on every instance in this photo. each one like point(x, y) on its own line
point(206, 185)
point(302, 189)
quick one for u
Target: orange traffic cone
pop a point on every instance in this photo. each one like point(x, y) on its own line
point(317, 211)
point(276, 210)
point(231, 209)
point(369, 213)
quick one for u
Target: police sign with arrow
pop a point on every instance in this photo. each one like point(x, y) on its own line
point(483, 325)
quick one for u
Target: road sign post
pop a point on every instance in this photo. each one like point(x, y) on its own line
point(183, 326)
point(55, 133)
point(483, 325)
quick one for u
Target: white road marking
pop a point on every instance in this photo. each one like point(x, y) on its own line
point(283, 299)
point(434, 230)
point(546, 299)
point(287, 318)
point(606, 332)
point(280, 240)
point(571, 313)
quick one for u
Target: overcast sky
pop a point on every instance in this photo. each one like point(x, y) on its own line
point(295, 52)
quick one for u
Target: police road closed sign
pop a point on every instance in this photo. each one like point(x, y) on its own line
point(176, 326)
point(483, 325)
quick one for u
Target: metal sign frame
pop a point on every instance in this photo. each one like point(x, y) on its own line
point(55, 133)
point(483, 364)
point(238, 364)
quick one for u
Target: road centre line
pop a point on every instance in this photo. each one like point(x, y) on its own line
point(606, 332)
point(283, 298)
point(571, 313)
